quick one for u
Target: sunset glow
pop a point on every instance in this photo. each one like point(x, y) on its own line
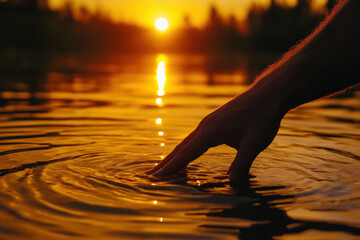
point(143, 13)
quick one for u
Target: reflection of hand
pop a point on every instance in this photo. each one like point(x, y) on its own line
point(247, 123)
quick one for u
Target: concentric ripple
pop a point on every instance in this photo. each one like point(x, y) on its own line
point(73, 168)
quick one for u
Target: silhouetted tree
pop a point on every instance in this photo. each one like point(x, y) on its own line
point(279, 27)
point(187, 21)
point(214, 20)
point(28, 25)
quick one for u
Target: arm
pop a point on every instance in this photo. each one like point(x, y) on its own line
point(326, 62)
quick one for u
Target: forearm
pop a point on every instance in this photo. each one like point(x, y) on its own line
point(324, 63)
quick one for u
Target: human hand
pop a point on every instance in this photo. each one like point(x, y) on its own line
point(247, 123)
point(324, 63)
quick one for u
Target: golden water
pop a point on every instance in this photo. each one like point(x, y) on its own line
point(74, 148)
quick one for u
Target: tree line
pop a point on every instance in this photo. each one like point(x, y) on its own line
point(31, 26)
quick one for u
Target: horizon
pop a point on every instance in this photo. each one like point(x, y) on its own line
point(196, 12)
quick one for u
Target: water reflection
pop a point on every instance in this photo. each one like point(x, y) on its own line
point(159, 102)
point(158, 121)
point(266, 220)
point(160, 74)
point(161, 80)
point(76, 162)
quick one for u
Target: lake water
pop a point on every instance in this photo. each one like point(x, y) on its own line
point(76, 139)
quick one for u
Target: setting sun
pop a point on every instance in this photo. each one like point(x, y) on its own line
point(161, 24)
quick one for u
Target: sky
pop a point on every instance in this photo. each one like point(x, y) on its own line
point(145, 12)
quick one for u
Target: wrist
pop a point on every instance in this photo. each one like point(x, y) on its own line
point(272, 93)
point(286, 85)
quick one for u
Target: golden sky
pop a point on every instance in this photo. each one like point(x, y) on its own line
point(144, 12)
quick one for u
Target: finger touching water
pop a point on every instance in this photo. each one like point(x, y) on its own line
point(191, 151)
point(171, 155)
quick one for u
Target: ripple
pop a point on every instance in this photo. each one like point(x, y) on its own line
point(74, 168)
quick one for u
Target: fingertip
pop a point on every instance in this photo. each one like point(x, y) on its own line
point(237, 180)
point(234, 177)
point(152, 170)
point(241, 165)
point(148, 172)
point(160, 173)
point(157, 174)
point(238, 171)
point(166, 175)
point(163, 172)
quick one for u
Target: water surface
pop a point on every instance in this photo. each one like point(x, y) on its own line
point(76, 140)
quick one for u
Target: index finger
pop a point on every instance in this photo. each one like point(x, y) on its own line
point(191, 151)
point(173, 153)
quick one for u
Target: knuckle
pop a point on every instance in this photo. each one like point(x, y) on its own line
point(204, 121)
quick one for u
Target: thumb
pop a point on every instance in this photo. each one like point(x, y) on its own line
point(248, 149)
point(239, 169)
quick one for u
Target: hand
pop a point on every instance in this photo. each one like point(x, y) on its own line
point(247, 123)
point(325, 62)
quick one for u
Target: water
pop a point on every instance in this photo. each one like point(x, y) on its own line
point(74, 146)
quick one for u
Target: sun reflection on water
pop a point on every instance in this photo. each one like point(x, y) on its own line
point(158, 121)
point(160, 74)
point(161, 79)
point(159, 102)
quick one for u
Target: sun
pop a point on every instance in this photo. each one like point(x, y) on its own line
point(161, 24)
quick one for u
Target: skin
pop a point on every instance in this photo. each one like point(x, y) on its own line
point(326, 62)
